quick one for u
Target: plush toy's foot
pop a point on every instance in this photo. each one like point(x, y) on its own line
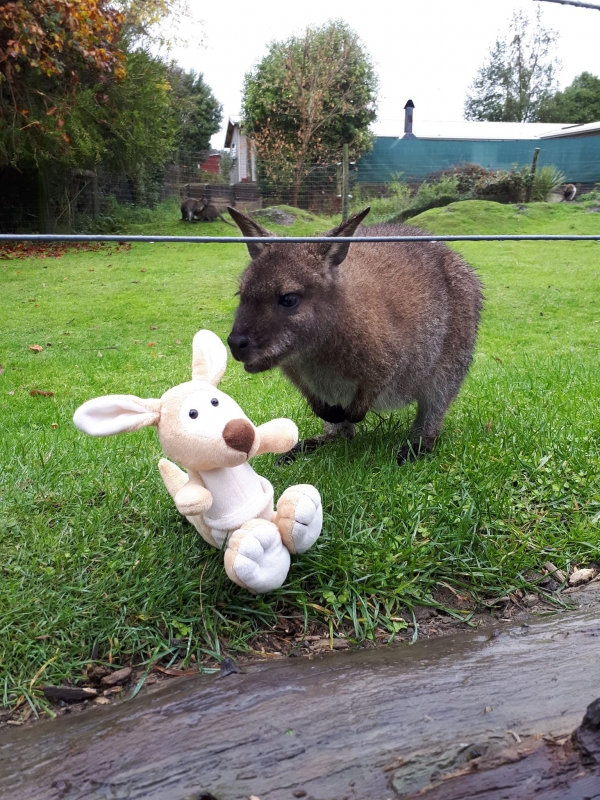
point(299, 517)
point(256, 557)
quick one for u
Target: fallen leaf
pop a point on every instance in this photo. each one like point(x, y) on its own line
point(99, 354)
point(1, 370)
point(177, 341)
point(40, 393)
point(143, 270)
point(54, 425)
point(151, 344)
point(65, 279)
point(153, 327)
point(499, 360)
point(13, 391)
point(102, 701)
point(36, 348)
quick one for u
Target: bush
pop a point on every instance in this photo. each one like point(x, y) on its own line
point(547, 180)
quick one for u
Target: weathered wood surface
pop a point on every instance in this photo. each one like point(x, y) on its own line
point(369, 724)
point(566, 769)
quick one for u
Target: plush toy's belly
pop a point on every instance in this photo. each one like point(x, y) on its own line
point(239, 494)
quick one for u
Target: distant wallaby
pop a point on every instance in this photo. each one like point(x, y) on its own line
point(191, 207)
point(209, 213)
point(372, 326)
point(569, 191)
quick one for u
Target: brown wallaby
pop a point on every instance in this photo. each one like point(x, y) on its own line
point(201, 210)
point(367, 326)
point(191, 207)
point(210, 213)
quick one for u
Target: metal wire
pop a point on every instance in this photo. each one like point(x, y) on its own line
point(57, 237)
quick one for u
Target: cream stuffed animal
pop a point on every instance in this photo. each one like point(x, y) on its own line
point(206, 431)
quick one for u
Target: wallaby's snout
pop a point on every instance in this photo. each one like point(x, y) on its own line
point(239, 344)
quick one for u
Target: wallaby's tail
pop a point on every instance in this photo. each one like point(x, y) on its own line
point(225, 221)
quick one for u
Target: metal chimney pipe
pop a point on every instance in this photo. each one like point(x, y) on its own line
point(408, 120)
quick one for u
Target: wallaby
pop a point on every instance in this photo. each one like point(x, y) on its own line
point(191, 207)
point(209, 213)
point(372, 326)
point(569, 191)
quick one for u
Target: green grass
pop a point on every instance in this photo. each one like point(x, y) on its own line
point(95, 561)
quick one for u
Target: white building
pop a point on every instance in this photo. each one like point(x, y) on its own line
point(242, 150)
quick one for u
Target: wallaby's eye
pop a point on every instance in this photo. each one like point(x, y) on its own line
point(289, 300)
point(214, 402)
point(193, 413)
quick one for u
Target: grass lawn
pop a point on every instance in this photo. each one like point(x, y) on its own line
point(96, 562)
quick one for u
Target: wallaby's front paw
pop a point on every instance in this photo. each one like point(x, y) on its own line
point(299, 517)
point(256, 557)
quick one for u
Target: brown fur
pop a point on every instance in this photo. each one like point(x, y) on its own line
point(191, 207)
point(200, 209)
point(210, 213)
point(569, 191)
point(377, 325)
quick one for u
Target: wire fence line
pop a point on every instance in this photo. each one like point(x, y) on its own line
point(46, 238)
point(54, 200)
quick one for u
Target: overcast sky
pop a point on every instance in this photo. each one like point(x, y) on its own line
point(425, 50)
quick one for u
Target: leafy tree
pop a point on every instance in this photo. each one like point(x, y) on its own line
point(518, 76)
point(578, 103)
point(197, 110)
point(306, 98)
point(51, 52)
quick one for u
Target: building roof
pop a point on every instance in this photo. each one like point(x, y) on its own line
point(463, 129)
point(573, 130)
point(232, 122)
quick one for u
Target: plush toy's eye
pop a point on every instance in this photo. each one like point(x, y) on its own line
point(214, 402)
point(193, 413)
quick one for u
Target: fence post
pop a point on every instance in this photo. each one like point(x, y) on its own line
point(536, 153)
point(345, 182)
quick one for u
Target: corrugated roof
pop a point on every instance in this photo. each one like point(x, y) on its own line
point(462, 129)
point(573, 130)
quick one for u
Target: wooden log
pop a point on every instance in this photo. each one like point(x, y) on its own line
point(378, 723)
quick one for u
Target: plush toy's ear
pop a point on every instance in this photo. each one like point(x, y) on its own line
point(116, 413)
point(209, 357)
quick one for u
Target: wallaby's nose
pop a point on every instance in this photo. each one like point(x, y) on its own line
point(238, 343)
point(239, 435)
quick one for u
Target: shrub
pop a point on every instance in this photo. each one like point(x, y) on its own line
point(547, 180)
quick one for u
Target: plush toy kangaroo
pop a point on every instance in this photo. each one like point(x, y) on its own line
point(205, 431)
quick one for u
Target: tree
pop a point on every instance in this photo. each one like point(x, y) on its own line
point(309, 96)
point(197, 110)
point(518, 76)
point(51, 52)
point(578, 103)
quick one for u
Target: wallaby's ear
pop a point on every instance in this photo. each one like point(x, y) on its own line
point(116, 413)
point(249, 227)
point(209, 357)
point(336, 252)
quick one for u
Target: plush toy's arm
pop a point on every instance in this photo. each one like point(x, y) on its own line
point(193, 498)
point(277, 436)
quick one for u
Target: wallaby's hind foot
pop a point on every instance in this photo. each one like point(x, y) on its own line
point(412, 450)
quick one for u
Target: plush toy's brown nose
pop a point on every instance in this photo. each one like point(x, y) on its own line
point(239, 434)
